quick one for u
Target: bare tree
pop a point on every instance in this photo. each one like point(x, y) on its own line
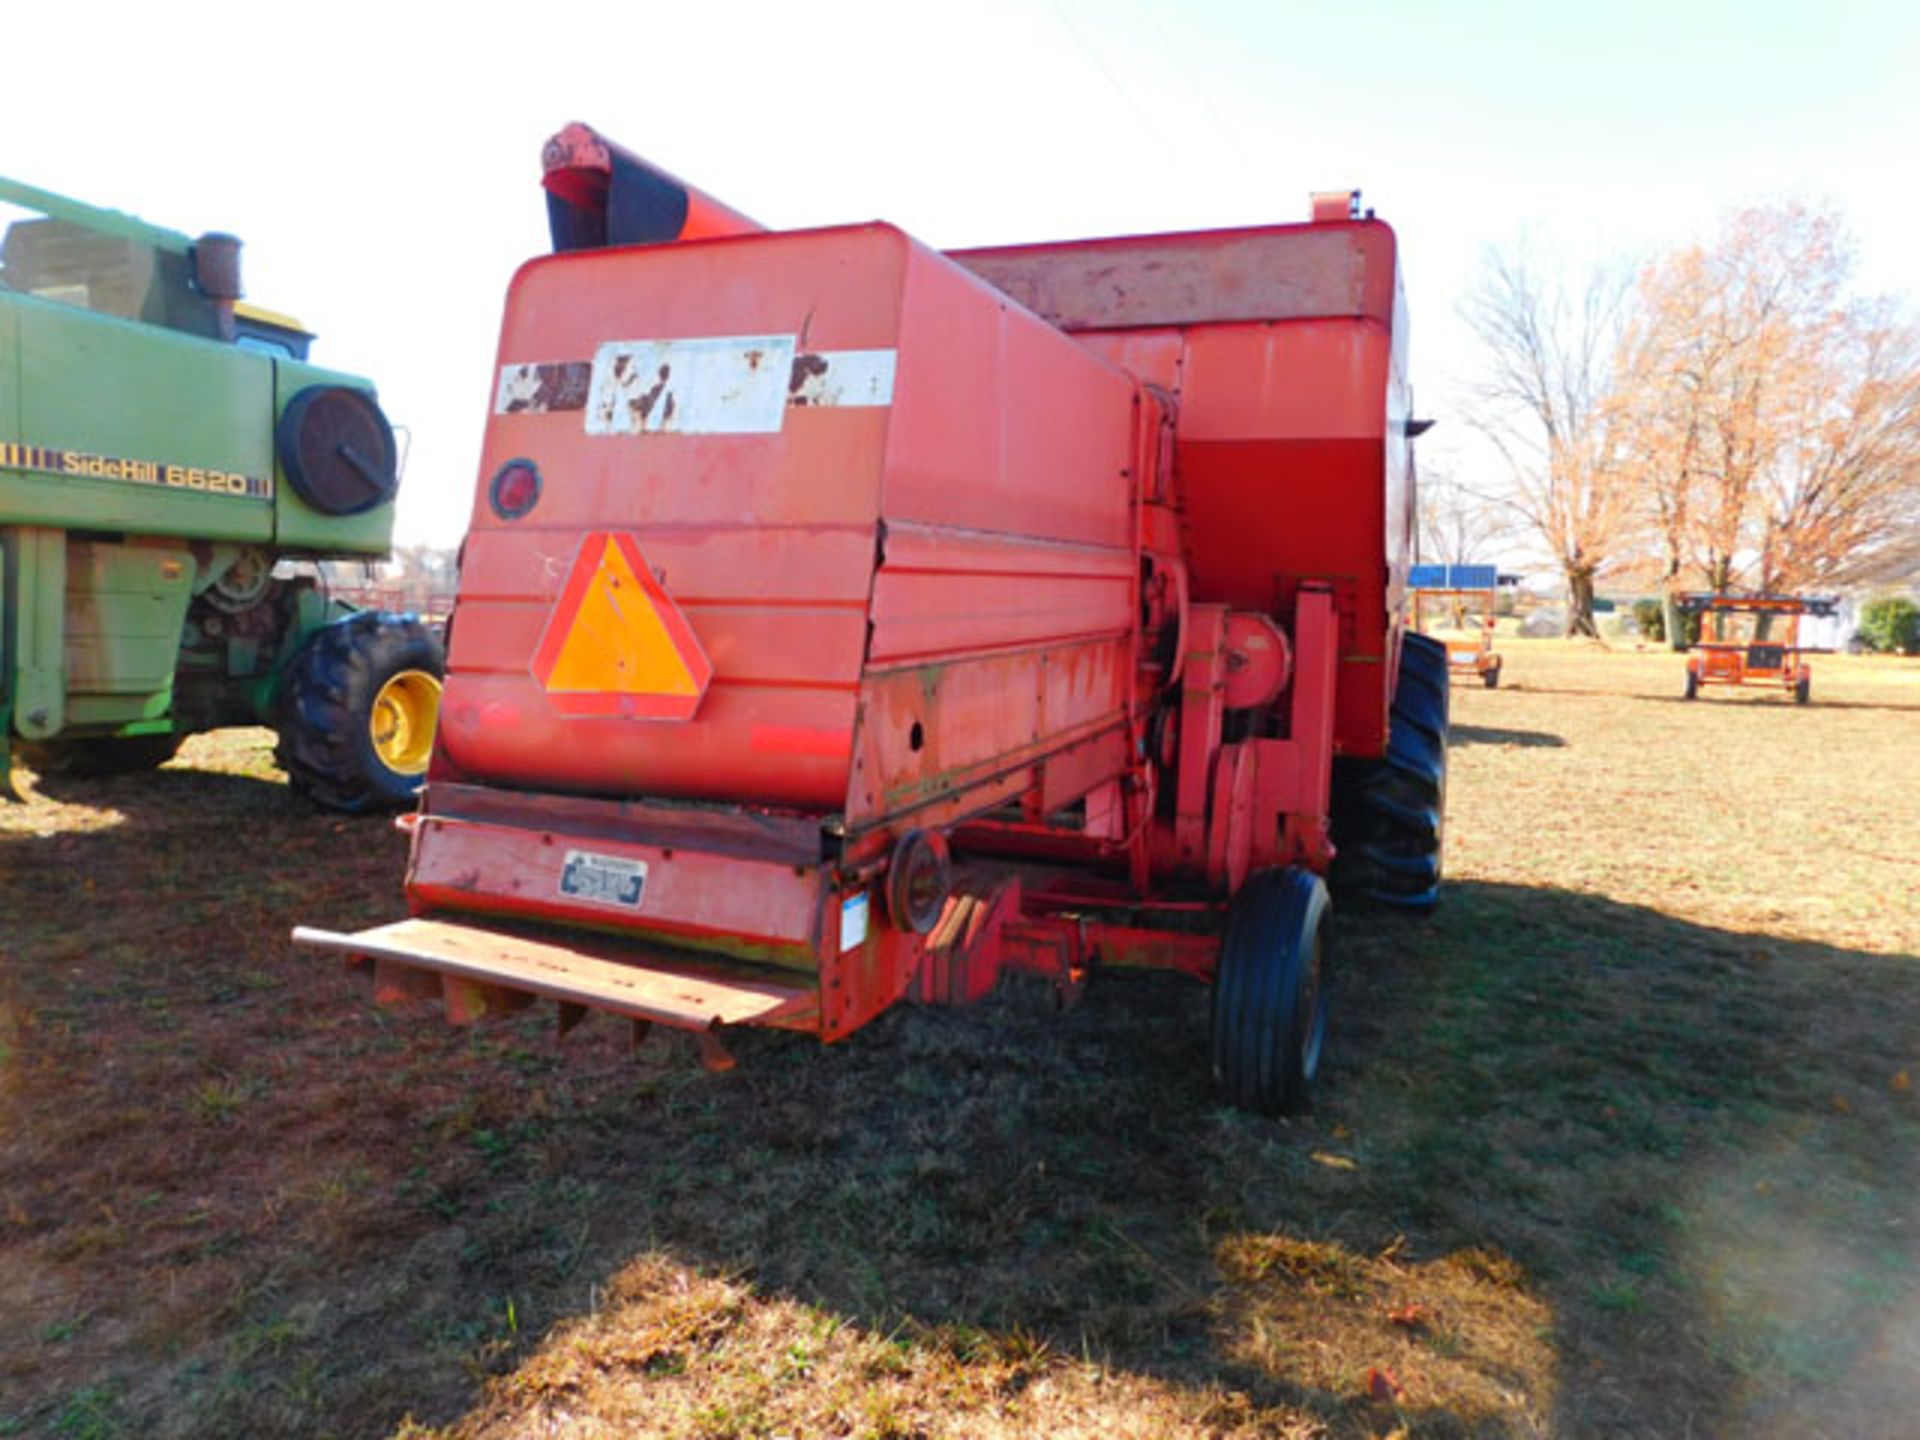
point(1545, 400)
point(1770, 286)
point(1840, 503)
point(1667, 368)
point(1458, 526)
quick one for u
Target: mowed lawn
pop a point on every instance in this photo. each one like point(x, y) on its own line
point(1623, 1141)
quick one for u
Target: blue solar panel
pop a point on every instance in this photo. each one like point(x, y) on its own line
point(1453, 577)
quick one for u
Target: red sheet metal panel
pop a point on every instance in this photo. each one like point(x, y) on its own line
point(1264, 516)
point(755, 909)
point(1285, 351)
point(1305, 380)
point(757, 515)
point(929, 732)
point(1003, 424)
point(944, 592)
point(767, 418)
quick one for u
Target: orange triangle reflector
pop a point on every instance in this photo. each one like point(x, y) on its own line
point(616, 644)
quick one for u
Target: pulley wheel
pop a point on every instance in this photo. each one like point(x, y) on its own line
point(919, 879)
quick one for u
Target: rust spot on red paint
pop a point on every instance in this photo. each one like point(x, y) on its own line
point(563, 387)
point(642, 405)
point(805, 368)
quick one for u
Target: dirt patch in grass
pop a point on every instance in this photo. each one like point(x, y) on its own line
point(1623, 1141)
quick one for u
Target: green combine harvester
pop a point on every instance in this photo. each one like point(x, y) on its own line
point(168, 457)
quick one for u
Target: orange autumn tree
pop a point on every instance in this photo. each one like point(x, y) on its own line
point(1841, 504)
point(1769, 420)
point(1669, 369)
point(1545, 398)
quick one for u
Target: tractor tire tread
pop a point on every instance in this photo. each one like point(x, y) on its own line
point(1389, 814)
point(326, 697)
point(1260, 1045)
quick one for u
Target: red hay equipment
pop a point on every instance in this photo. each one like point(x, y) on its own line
point(842, 622)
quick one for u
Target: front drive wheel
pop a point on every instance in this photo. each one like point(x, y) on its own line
point(1802, 690)
point(1389, 812)
point(1269, 1002)
point(357, 712)
point(1693, 686)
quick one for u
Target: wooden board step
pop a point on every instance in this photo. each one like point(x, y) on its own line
point(599, 974)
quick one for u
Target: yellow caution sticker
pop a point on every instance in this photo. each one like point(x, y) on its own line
point(616, 644)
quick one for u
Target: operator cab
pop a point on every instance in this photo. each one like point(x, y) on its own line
point(267, 332)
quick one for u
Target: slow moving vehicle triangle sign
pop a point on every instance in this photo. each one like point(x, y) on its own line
point(616, 644)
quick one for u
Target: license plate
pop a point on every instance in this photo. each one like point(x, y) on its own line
point(604, 879)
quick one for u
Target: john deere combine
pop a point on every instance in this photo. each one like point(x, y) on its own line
point(165, 451)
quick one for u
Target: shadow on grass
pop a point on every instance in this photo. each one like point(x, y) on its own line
point(1751, 696)
point(1458, 734)
point(149, 794)
point(239, 1201)
point(1769, 696)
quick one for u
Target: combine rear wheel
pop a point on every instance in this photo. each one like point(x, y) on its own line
point(110, 756)
point(357, 711)
point(1269, 1002)
point(1802, 690)
point(1388, 814)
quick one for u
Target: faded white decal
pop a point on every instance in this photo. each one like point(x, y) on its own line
point(724, 385)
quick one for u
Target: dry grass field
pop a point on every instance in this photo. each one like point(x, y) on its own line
point(1623, 1142)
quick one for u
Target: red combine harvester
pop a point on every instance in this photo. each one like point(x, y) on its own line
point(842, 622)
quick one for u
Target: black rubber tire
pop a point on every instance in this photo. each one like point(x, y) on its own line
point(1802, 691)
point(326, 700)
point(1491, 678)
point(1389, 813)
point(99, 756)
point(1693, 687)
point(1269, 997)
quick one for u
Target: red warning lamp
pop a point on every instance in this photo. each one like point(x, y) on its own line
point(515, 489)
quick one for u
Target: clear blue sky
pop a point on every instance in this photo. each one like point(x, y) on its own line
point(382, 160)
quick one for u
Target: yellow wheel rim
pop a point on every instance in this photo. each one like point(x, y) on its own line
point(402, 721)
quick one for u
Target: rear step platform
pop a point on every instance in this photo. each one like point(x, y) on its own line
point(610, 976)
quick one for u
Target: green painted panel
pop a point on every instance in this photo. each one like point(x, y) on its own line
point(9, 381)
point(192, 415)
point(36, 606)
point(125, 608)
